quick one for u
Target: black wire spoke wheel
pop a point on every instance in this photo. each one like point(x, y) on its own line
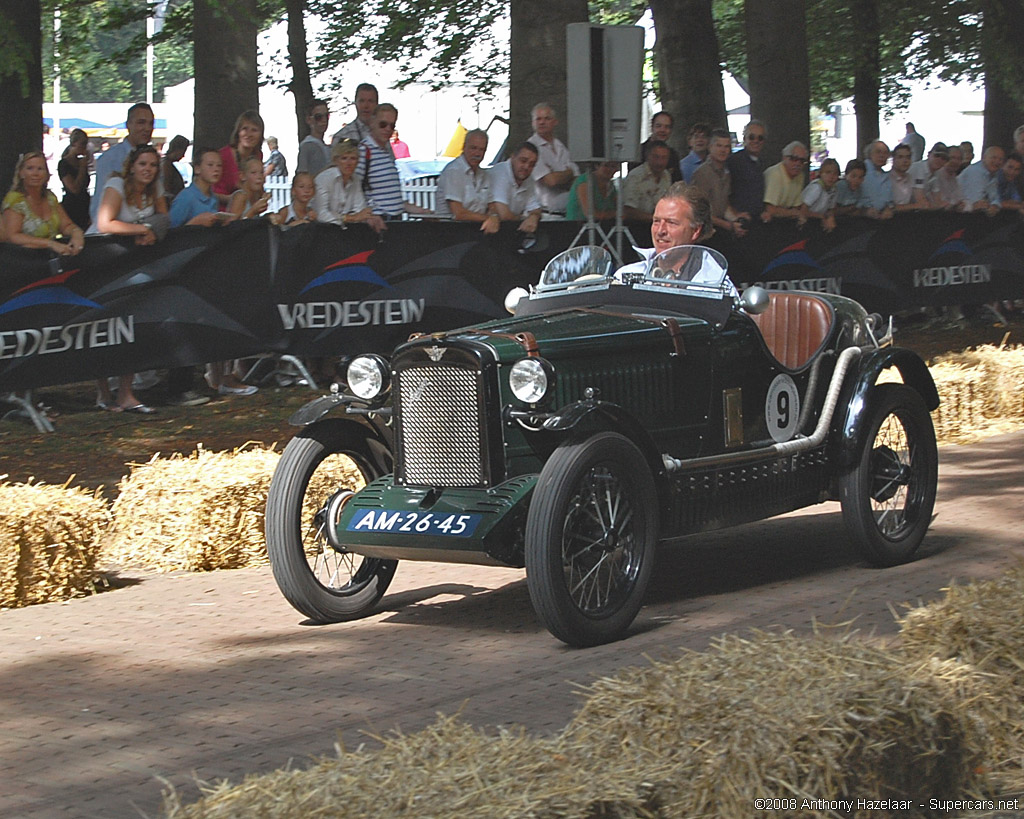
point(889, 496)
point(590, 539)
point(600, 549)
point(318, 473)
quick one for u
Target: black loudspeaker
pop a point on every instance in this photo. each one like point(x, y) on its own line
point(604, 74)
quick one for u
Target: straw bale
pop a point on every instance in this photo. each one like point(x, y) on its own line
point(200, 512)
point(780, 716)
point(979, 623)
point(49, 541)
point(980, 392)
point(772, 715)
point(447, 770)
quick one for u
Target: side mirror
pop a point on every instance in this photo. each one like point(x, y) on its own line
point(513, 297)
point(754, 300)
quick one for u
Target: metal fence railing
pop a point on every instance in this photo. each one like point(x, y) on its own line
point(420, 191)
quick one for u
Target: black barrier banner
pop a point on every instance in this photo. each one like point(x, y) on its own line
point(915, 259)
point(208, 294)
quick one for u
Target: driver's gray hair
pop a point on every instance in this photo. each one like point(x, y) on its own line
point(699, 204)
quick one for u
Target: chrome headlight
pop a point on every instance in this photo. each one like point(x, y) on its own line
point(367, 376)
point(530, 379)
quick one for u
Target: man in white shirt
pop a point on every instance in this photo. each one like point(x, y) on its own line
point(314, 153)
point(366, 106)
point(463, 190)
point(513, 190)
point(140, 132)
point(555, 170)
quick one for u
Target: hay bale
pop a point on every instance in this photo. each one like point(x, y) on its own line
point(980, 392)
point(204, 511)
point(779, 716)
point(49, 541)
point(770, 716)
point(979, 623)
point(447, 770)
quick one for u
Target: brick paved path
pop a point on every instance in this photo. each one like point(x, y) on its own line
point(213, 676)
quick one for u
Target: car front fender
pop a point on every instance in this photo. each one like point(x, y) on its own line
point(914, 373)
point(585, 418)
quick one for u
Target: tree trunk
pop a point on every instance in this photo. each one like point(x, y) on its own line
point(867, 70)
point(537, 61)
point(300, 85)
point(225, 67)
point(689, 67)
point(21, 83)
point(777, 64)
point(1002, 31)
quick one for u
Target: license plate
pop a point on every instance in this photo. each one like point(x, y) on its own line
point(413, 523)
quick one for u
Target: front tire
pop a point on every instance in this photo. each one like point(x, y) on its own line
point(326, 583)
point(888, 496)
point(591, 533)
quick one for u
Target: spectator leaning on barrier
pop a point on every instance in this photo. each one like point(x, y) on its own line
point(299, 210)
point(463, 189)
point(945, 191)
point(314, 153)
point(139, 123)
point(381, 182)
point(513, 190)
point(555, 170)
point(32, 216)
point(198, 204)
point(850, 190)
point(366, 106)
point(1009, 179)
point(877, 187)
point(644, 186)
point(905, 194)
point(339, 198)
point(784, 185)
point(980, 181)
point(714, 178)
point(819, 197)
point(132, 204)
point(746, 173)
point(171, 176)
point(252, 199)
point(924, 172)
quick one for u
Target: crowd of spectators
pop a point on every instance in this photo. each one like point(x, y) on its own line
point(353, 178)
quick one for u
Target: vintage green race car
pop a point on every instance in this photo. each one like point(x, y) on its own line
point(608, 417)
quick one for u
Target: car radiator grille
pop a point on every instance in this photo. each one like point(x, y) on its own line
point(440, 435)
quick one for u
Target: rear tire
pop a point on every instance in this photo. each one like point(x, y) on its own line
point(591, 533)
point(888, 497)
point(326, 583)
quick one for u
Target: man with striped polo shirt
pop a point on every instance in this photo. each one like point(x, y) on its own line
point(377, 168)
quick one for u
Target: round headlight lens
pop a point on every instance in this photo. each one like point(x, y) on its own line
point(367, 376)
point(529, 380)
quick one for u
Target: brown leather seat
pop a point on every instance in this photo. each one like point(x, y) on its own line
point(795, 326)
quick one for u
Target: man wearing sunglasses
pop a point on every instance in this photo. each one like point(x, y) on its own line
point(784, 184)
point(747, 172)
point(314, 153)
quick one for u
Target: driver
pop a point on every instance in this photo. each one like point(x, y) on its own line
point(681, 217)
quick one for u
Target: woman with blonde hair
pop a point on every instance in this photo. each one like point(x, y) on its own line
point(246, 140)
point(32, 216)
point(339, 198)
